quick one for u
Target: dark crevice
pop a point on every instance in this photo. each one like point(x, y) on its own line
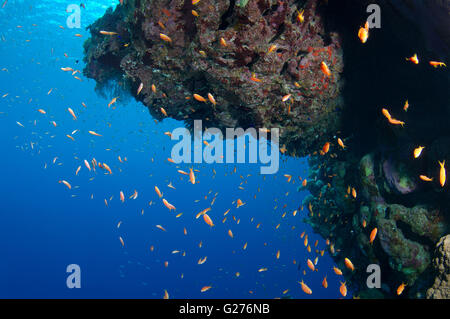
point(255, 59)
point(224, 19)
point(284, 68)
point(280, 31)
point(409, 234)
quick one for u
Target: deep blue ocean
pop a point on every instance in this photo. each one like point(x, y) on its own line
point(45, 226)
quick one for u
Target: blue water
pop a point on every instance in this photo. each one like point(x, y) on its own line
point(45, 226)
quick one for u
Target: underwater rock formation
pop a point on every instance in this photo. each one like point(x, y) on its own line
point(218, 52)
point(441, 262)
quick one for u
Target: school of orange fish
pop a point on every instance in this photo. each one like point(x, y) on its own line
point(209, 217)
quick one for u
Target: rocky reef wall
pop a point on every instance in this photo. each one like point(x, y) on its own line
point(248, 57)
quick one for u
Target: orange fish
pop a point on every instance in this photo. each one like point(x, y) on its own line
point(206, 288)
point(326, 147)
point(230, 233)
point(414, 59)
point(300, 16)
point(168, 205)
point(191, 176)
point(343, 289)
point(66, 183)
point(94, 133)
point(363, 32)
point(286, 97)
point(373, 234)
point(349, 264)
point(141, 86)
point(72, 113)
point(337, 271)
point(436, 64)
point(418, 151)
point(239, 203)
point(406, 106)
point(160, 227)
point(211, 99)
point(165, 37)
point(425, 178)
point(305, 288)
point(442, 175)
point(158, 192)
point(325, 282)
point(341, 143)
point(310, 265)
point(325, 69)
point(113, 101)
point(401, 288)
point(199, 98)
point(208, 220)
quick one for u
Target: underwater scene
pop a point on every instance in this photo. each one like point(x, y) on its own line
point(224, 149)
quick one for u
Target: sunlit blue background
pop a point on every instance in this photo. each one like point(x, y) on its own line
point(44, 226)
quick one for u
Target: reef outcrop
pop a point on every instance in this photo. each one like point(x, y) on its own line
point(441, 262)
point(247, 54)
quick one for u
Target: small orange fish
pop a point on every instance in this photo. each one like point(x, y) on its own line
point(66, 183)
point(141, 86)
point(305, 288)
point(94, 133)
point(199, 98)
point(373, 234)
point(286, 97)
point(406, 106)
point(239, 203)
point(325, 282)
point(425, 178)
point(206, 288)
point(349, 264)
point(160, 227)
point(414, 59)
point(72, 113)
point(343, 289)
point(442, 174)
point(436, 64)
point(400, 289)
point(325, 69)
point(326, 148)
point(211, 99)
point(418, 151)
point(191, 176)
point(165, 37)
point(114, 100)
point(158, 192)
point(272, 48)
point(168, 205)
point(208, 220)
point(300, 16)
point(341, 143)
point(337, 271)
point(363, 32)
point(310, 265)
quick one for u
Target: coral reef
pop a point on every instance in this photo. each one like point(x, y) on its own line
point(441, 262)
point(218, 52)
point(250, 53)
